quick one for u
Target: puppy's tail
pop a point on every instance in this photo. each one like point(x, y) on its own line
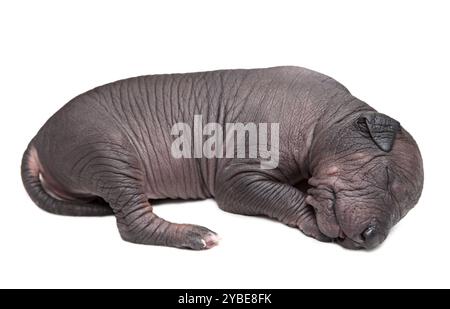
point(30, 176)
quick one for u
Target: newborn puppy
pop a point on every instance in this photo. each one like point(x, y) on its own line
point(330, 165)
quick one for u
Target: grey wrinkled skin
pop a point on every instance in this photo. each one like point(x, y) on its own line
point(346, 173)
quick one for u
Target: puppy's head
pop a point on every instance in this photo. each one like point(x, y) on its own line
point(368, 175)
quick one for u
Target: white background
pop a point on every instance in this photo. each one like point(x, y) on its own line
point(392, 54)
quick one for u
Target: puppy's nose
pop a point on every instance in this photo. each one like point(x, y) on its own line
point(371, 237)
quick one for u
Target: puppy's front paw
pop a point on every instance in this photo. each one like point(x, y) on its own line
point(309, 228)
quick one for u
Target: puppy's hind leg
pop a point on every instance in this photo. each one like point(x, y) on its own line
point(118, 178)
point(138, 224)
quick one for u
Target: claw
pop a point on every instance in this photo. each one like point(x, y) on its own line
point(211, 240)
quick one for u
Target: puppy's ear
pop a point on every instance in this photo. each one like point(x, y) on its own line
point(382, 129)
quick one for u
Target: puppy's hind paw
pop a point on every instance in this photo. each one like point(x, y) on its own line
point(198, 238)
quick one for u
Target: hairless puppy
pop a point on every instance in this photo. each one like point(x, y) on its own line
point(340, 171)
